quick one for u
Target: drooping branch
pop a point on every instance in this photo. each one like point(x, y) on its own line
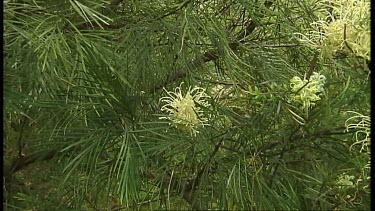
point(175, 9)
point(188, 191)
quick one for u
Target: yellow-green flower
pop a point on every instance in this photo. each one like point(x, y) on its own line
point(183, 111)
point(345, 180)
point(307, 92)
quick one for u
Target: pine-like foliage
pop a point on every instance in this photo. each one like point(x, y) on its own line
point(190, 104)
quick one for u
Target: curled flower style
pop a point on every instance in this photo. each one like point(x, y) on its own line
point(183, 111)
point(362, 124)
point(307, 92)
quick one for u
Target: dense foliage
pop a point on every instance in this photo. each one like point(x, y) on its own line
point(194, 104)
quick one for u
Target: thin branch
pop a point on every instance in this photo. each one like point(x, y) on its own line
point(20, 142)
point(115, 3)
point(286, 45)
point(216, 82)
point(175, 10)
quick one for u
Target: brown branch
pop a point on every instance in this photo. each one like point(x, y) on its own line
point(20, 163)
point(195, 64)
point(171, 181)
point(208, 56)
point(247, 31)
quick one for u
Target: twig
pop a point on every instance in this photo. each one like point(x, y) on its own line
point(346, 43)
point(20, 145)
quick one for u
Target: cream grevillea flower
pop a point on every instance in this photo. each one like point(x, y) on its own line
point(183, 110)
point(356, 39)
point(307, 92)
point(345, 28)
point(353, 21)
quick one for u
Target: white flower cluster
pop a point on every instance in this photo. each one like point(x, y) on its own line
point(306, 92)
point(358, 41)
point(183, 110)
point(347, 28)
point(352, 28)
